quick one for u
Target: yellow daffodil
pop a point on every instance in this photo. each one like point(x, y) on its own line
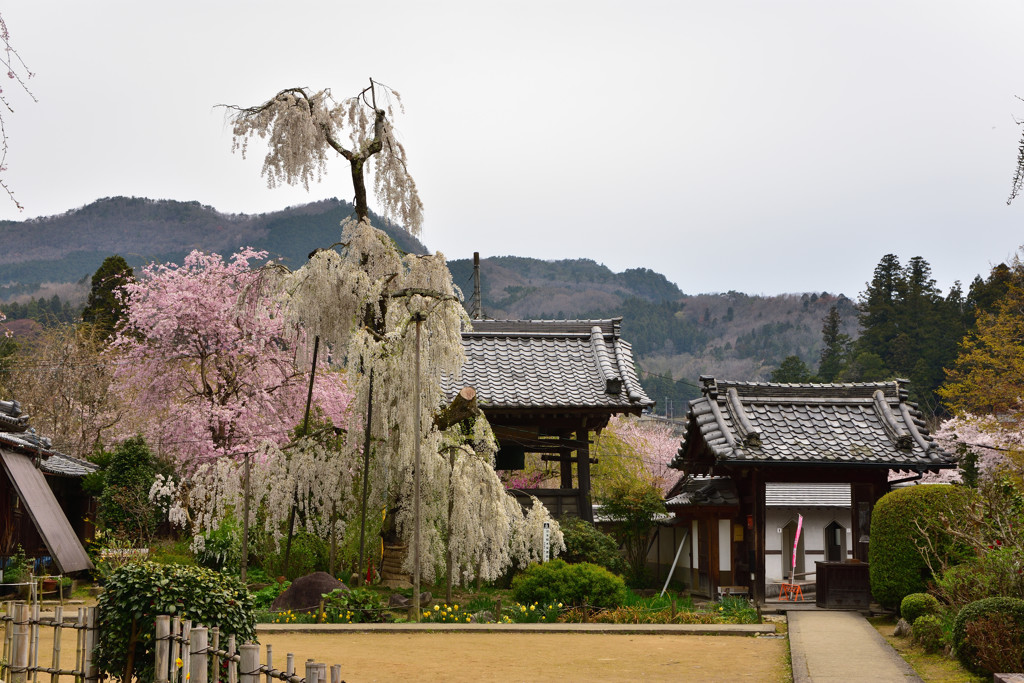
point(178, 662)
point(437, 607)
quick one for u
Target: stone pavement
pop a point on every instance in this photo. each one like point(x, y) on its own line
point(829, 646)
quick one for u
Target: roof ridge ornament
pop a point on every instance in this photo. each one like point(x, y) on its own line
point(750, 437)
point(893, 429)
point(710, 388)
point(612, 380)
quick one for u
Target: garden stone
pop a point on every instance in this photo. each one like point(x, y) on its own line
point(903, 629)
point(398, 600)
point(305, 592)
point(484, 617)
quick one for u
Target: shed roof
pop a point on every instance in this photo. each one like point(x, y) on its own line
point(753, 423)
point(50, 461)
point(516, 364)
point(787, 494)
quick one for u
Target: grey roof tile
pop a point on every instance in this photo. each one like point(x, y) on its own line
point(549, 363)
point(840, 423)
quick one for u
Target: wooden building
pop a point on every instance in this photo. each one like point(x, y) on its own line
point(745, 435)
point(546, 386)
point(42, 505)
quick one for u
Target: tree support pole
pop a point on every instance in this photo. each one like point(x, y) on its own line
point(366, 479)
point(305, 430)
point(416, 483)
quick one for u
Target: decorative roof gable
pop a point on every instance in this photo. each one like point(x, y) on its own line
point(548, 364)
point(785, 424)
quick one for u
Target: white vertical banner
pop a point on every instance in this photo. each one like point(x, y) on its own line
point(547, 541)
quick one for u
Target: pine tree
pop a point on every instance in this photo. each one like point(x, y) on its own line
point(836, 347)
point(105, 308)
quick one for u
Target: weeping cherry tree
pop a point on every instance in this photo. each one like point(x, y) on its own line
point(395, 321)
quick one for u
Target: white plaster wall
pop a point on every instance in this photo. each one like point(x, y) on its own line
point(777, 565)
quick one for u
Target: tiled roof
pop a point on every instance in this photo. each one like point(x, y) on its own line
point(786, 494)
point(50, 461)
point(549, 364)
point(842, 424)
point(703, 491)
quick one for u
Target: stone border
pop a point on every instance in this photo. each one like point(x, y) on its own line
point(631, 629)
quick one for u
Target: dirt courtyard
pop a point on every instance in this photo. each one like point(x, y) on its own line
point(538, 656)
point(515, 656)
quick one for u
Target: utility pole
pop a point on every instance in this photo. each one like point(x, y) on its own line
point(478, 305)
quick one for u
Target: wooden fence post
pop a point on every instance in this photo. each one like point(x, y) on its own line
point(20, 644)
point(198, 664)
point(311, 671)
point(215, 646)
point(336, 673)
point(58, 624)
point(186, 642)
point(8, 619)
point(175, 648)
point(80, 645)
point(233, 666)
point(163, 649)
point(249, 666)
point(91, 633)
point(270, 663)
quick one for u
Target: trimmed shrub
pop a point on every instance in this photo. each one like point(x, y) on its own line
point(928, 633)
point(572, 584)
point(584, 542)
point(137, 592)
point(897, 567)
point(988, 635)
point(917, 605)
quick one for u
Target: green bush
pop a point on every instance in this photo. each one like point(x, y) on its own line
point(222, 547)
point(917, 605)
point(988, 635)
point(897, 567)
point(992, 575)
point(353, 605)
point(137, 592)
point(584, 542)
point(929, 634)
point(572, 584)
point(124, 505)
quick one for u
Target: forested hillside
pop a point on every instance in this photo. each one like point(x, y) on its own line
point(676, 337)
point(901, 325)
point(71, 246)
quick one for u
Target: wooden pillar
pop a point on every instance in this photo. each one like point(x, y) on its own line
point(758, 490)
point(583, 471)
point(566, 466)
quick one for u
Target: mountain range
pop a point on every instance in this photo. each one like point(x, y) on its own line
point(676, 336)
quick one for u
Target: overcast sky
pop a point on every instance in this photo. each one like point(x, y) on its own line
point(764, 147)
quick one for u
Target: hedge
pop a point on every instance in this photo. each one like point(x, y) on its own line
point(897, 568)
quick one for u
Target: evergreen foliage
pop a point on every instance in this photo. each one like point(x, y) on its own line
point(124, 506)
point(908, 329)
point(918, 604)
point(571, 584)
point(47, 312)
point(104, 308)
point(584, 542)
point(792, 371)
point(897, 566)
point(836, 347)
point(139, 591)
